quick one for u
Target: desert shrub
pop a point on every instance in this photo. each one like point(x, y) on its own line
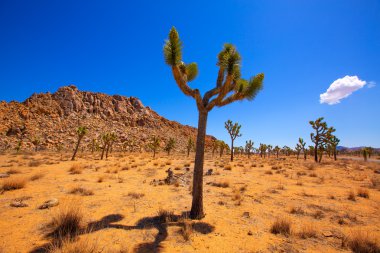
point(313, 175)
point(362, 242)
point(301, 173)
point(37, 176)
point(318, 215)
point(268, 172)
point(76, 169)
point(81, 191)
point(65, 245)
point(186, 230)
point(276, 167)
point(310, 166)
point(67, 222)
point(135, 195)
point(281, 226)
point(10, 184)
point(375, 182)
point(222, 184)
point(297, 210)
point(307, 231)
point(34, 163)
point(363, 193)
point(228, 167)
point(100, 179)
point(13, 171)
point(165, 215)
point(351, 196)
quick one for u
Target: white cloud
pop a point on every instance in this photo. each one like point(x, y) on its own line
point(371, 84)
point(341, 88)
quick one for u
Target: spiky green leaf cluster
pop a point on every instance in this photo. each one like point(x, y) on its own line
point(173, 48)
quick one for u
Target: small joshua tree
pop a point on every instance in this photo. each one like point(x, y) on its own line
point(18, 146)
point(321, 136)
point(154, 145)
point(215, 146)
point(190, 146)
point(106, 138)
point(112, 139)
point(263, 150)
point(365, 154)
point(298, 149)
point(222, 146)
point(334, 142)
point(234, 132)
point(369, 151)
point(302, 144)
point(277, 150)
point(269, 149)
point(81, 131)
point(170, 145)
point(249, 147)
point(229, 87)
point(36, 142)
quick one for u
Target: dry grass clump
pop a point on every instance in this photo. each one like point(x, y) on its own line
point(281, 226)
point(100, 179)
point(310, 166)
point(222, 184)
point(268, 172)
point(362, 242)
point(375, 182)
point(135, 195)
point(363, 193)
point(13, 171)
point(351, 196)
point(76, 169)
point(10, 184)
point(67, 222)
point(228, 167)
point(34, 163)
point(307, 231)
point(297, 210)
point(70, 246)
point(186, 230)
point(37, 176)
point(165, 216)
point(81, 191)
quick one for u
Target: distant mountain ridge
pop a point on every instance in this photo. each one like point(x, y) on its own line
point(54, 117)
point(354, 148)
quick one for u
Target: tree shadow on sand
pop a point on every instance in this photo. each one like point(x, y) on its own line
point(160, 222)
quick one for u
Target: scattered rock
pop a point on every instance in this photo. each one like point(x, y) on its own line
point(250, 232)
point(4, 175)
point(327, 233)
point(49, 203)
point(246, 215)
point(18, 204)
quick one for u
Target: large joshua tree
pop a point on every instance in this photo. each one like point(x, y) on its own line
point(81, 131)
point(321, 136)
point(234, 132)
point(229, 87)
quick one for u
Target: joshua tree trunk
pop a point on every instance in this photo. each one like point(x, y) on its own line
point(316, 153)
point(232, 150)
point(103, 149)
point(197, 203)
point(154, 153)
point(76, 149)
point(334, 154)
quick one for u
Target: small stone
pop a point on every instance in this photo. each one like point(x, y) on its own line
point(18, 204)
point(4, 175)
point(49, 203)
point(250, 232)
point(246, 215)
point(327, 234)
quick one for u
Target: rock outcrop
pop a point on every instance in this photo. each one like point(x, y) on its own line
point(53, 119)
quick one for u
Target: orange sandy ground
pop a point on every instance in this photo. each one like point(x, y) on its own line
point(224, 229)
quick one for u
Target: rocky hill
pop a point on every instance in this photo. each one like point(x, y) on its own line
point(53, 119)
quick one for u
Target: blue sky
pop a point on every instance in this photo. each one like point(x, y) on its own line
point(116, 47)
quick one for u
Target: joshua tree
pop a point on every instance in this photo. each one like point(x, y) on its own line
point(19, 145)
point(298, 149)
point(234, 132)
point(215, 146)
point(190, 146)
point(36, 142)
point(269, 149)
point(249, 147)
point(311, 150)
point(81, 131)
point(169, 145)
point(365, 154)
point(263, 150)
point(321, 136)
point(111, 140)
point(277, 150)
point(222, 147)
point(334, 141)
point(369, 151)
point(154, 145)
point(229, 87)
point(302, 144)
point(286, 150)
point(106, 138)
